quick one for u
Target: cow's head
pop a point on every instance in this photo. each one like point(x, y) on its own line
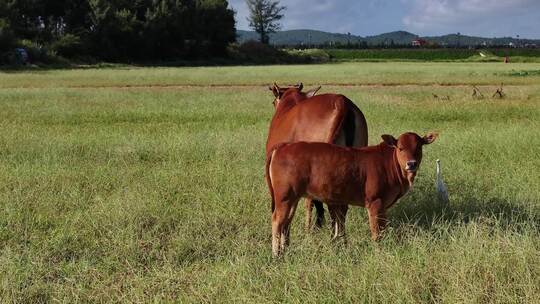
point(408, 149)
point(281, 93)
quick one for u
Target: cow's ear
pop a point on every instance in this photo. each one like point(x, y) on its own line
point(389, 140)
point(275, 89)
point(430, 137)
point(312, 92)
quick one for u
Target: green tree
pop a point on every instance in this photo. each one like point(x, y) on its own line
point(7, 39)
point(4, 22)
point(264, 16)
point(114, 33)
point(215, 26)
point(124, 30)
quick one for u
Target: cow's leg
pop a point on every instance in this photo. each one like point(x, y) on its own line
point(319, 208)
point(377, 218)
point(338, 214)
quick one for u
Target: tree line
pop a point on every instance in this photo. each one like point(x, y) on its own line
point(119, 30)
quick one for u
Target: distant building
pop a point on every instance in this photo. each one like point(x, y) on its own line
point(419, 42)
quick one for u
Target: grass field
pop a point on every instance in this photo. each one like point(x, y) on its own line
point(147, 184)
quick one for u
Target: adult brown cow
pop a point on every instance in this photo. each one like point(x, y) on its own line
point(330, 118)
point(374, 177)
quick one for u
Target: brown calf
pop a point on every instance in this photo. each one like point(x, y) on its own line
point(374, 177)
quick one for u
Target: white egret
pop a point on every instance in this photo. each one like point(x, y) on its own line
point(442, 191)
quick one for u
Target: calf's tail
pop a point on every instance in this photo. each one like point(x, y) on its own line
point(268, 179)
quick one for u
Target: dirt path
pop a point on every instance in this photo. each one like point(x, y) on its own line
point(248, 86)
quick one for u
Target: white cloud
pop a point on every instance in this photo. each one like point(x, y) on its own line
point(480, 16)
point(339, 16)
point(424, 17)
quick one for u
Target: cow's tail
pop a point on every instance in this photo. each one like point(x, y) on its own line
point(359, 129)
point(351, 121)
point(339, 121)
point(268, 179)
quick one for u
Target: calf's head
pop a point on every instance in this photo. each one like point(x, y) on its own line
point(408, 151)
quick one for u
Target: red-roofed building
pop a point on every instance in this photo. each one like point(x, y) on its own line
point(419, 42)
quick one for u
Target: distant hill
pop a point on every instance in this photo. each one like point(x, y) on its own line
point(312, 37)
point(454, 39)
point(296, 37)
point(399, 38)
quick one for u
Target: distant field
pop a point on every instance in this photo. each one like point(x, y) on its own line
point(147, 184)
point(366, 73)
point(495, 55)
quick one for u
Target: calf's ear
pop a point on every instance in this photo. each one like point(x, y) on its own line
point(389, 140)
point(312, 92)
point(430, 137)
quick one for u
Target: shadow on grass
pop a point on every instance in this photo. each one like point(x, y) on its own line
point(217, 62)
point(424, 211)
point(14, 69)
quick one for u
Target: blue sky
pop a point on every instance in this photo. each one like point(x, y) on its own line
point(488, 18)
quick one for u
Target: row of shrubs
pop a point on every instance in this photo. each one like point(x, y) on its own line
point(412, 54)
point(428, 54)
point(252, 52)
point(36, 54)
point(255, 52)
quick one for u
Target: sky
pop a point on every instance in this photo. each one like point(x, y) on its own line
point(486, 18)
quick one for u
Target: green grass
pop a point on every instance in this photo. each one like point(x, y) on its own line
point(140, 194)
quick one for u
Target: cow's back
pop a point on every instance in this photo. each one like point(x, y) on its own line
point(326, 118)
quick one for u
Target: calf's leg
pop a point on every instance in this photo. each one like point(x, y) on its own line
point(309, 213)
point(338, 214)
point(281, 217)
point(377, 218)
point(285, 233)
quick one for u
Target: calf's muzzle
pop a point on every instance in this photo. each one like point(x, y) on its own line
point(412, 165)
